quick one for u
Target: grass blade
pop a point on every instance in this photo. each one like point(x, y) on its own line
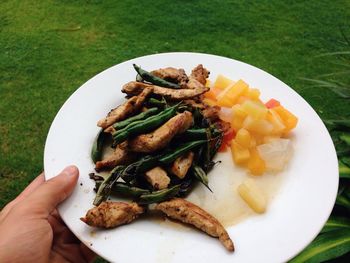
point(326, 246)
point(335, 223)
point(338, 124)
point(345, 138)
point(344, 170)
point(334, 53)
point(343, 200)
point(346, 160)
point(343, 92)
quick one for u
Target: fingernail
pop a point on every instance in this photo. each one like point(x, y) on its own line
point(70, 170)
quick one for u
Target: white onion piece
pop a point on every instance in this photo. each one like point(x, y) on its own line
point(276, 153)
point(225, 114)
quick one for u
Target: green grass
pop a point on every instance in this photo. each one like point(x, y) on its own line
point(49, 48)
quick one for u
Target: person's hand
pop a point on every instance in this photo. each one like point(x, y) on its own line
point(31, 229)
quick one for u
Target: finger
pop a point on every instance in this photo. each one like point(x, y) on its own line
point(61, 232)
point(48, 195)
point(88, 254)
point(40, 179)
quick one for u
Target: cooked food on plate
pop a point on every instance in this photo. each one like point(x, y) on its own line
point(164, 138)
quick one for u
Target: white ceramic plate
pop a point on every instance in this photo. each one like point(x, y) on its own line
point(294, 217)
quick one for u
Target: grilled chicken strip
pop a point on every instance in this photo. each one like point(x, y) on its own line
point(134, 88)
point(130, 107)
point(112, 214)
point(198, 77)
point(172, 74)
point(158, 178)
point(161, 137)
point(121, 155)
point(200, 74)
point(211, 112)
point(182, 164)
point(189, 213)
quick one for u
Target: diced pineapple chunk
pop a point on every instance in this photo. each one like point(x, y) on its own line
point(276, 121)
point(256, 164)
point(261, 127)
point(210, 95)
point(288, 118)
point(238, 111)
point(238, 117)
point(253, 196)
point(239, 153)
point(233, 92)
point(242, 99)
point(237, 123)
point(255, 109)
point(223, 102)
point(243, 138)
point(253, 94)
point(222, 82)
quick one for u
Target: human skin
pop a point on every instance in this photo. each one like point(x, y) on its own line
point(31, 229)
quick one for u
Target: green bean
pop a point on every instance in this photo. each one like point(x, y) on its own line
point(199, 133)
point(97, 146)
point(105, 188)
point(217, 144)
point(144, 164)
point(159, 196)
point(124, 189)
point(138, 117)
point(195, 133)
point(144, 126)
point(185, 187)
point(158, 103)
point(139, 78)
point(200, 175)
point(120, 188)
point(184, 148)
point(145, 75)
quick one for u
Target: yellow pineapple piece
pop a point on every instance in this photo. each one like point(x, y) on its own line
point(239, 153)
point(256, 165)
point(233, 92)
point(223, 102)
point(243, 138)
point(253, 195)
point(253, 94)
point(255, 109)
point(276, 121)
point(288, 118)
point(238, 111)
point(260, 126)
point(237, 123)
point(222, 82)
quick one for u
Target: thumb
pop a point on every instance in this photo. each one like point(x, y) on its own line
point(48, 195)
